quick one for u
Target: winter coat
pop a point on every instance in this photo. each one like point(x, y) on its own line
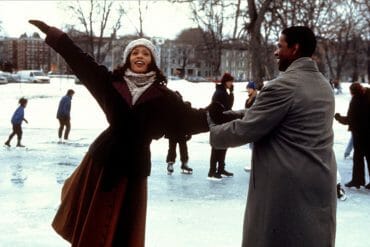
point(64, 108)
point(249, 102)
point(125, 144)
point(18, 116)
point(221, 103)
point(94, 195)
point(222, 97)
point(292, 190)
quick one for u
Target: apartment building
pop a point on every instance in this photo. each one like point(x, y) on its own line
point(33, 53)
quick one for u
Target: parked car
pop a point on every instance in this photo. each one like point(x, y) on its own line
point(196, 79)
point(3, 79)
point(10, 76)
point(33, 76)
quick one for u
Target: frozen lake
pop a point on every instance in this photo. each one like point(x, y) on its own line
point(183, 210)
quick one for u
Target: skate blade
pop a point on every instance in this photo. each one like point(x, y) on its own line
point(214, 179)
point(343, 198)
point(187, 172)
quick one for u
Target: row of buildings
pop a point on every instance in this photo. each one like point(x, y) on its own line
point(176, 58)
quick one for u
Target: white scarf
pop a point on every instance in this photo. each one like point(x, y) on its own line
point(138, 83)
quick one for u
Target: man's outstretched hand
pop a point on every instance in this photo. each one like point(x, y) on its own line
point(41, 25)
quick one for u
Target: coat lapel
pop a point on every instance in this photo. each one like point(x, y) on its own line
point(151, 93)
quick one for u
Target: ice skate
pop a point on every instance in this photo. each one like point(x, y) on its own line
point(20, 145)
point(186, 169)
point(7, 143)
point(223, 172)
point(247, 168)
point(214, 176)
point(170, 168)
point(341, 194)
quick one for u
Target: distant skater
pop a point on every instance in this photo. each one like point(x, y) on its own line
point(173, 140)
point(184, 156)
point(17, 119)
point(64, 114)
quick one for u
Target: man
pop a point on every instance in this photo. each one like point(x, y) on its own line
point(292, 189)
point(64, 115)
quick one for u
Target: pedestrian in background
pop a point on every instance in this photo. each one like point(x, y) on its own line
point(17, 119)
point(292, 189)
point(104, 200)
point(64, 115)
point(252, 94)
point(222, 101)
point(183, 150)
point(358, 119)
point(173, 140)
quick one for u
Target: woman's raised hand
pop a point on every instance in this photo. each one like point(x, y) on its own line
point(41, 25)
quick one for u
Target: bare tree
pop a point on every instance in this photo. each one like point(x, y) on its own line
point(94, 16)
point(252, 27)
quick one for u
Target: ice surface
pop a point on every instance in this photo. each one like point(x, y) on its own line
point(183, 210)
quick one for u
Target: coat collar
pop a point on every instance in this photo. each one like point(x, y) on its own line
point(152, 92)
point(303, 63)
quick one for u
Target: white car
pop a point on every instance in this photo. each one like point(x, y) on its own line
point(3, 79)
point(33, 76)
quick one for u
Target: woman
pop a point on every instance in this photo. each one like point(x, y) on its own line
point(358, 120)
point(222, 101)
point(104, 201)
point(252, 94)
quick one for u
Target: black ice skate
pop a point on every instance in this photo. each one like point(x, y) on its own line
point(214, 176)
point(170, 168)
point(185, 169)
point(341, 194)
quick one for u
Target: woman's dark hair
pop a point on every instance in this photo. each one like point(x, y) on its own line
point(303, 36)
point(160, 77)
point(227, 77)
point(70, 92)
point(356, 88)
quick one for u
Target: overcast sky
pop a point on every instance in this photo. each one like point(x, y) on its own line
point(160, 18)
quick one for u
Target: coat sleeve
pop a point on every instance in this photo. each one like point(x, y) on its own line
point(269, 109)
point(185, 120)
point(94, 76)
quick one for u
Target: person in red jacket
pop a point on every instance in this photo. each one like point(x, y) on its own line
point(104, 200)
point(222, 101)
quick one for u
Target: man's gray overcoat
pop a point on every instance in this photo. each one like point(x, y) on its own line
point(292, 190)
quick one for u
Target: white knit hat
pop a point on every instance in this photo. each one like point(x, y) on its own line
point(141, 42)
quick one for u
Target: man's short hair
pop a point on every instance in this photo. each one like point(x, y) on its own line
point(70, 92)
point(303, 36)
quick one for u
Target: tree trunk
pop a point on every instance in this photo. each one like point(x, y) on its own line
point(256, 46)
point(368, 62)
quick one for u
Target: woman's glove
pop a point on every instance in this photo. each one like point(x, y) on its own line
point(40, 25)
point(231, 88)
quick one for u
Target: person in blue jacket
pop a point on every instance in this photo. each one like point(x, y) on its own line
point(64, 114)
point(17, 119)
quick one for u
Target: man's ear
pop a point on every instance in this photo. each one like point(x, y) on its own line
point(296, 50)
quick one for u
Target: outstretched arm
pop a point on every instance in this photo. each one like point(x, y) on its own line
point(84, 66)
point(41, 25)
